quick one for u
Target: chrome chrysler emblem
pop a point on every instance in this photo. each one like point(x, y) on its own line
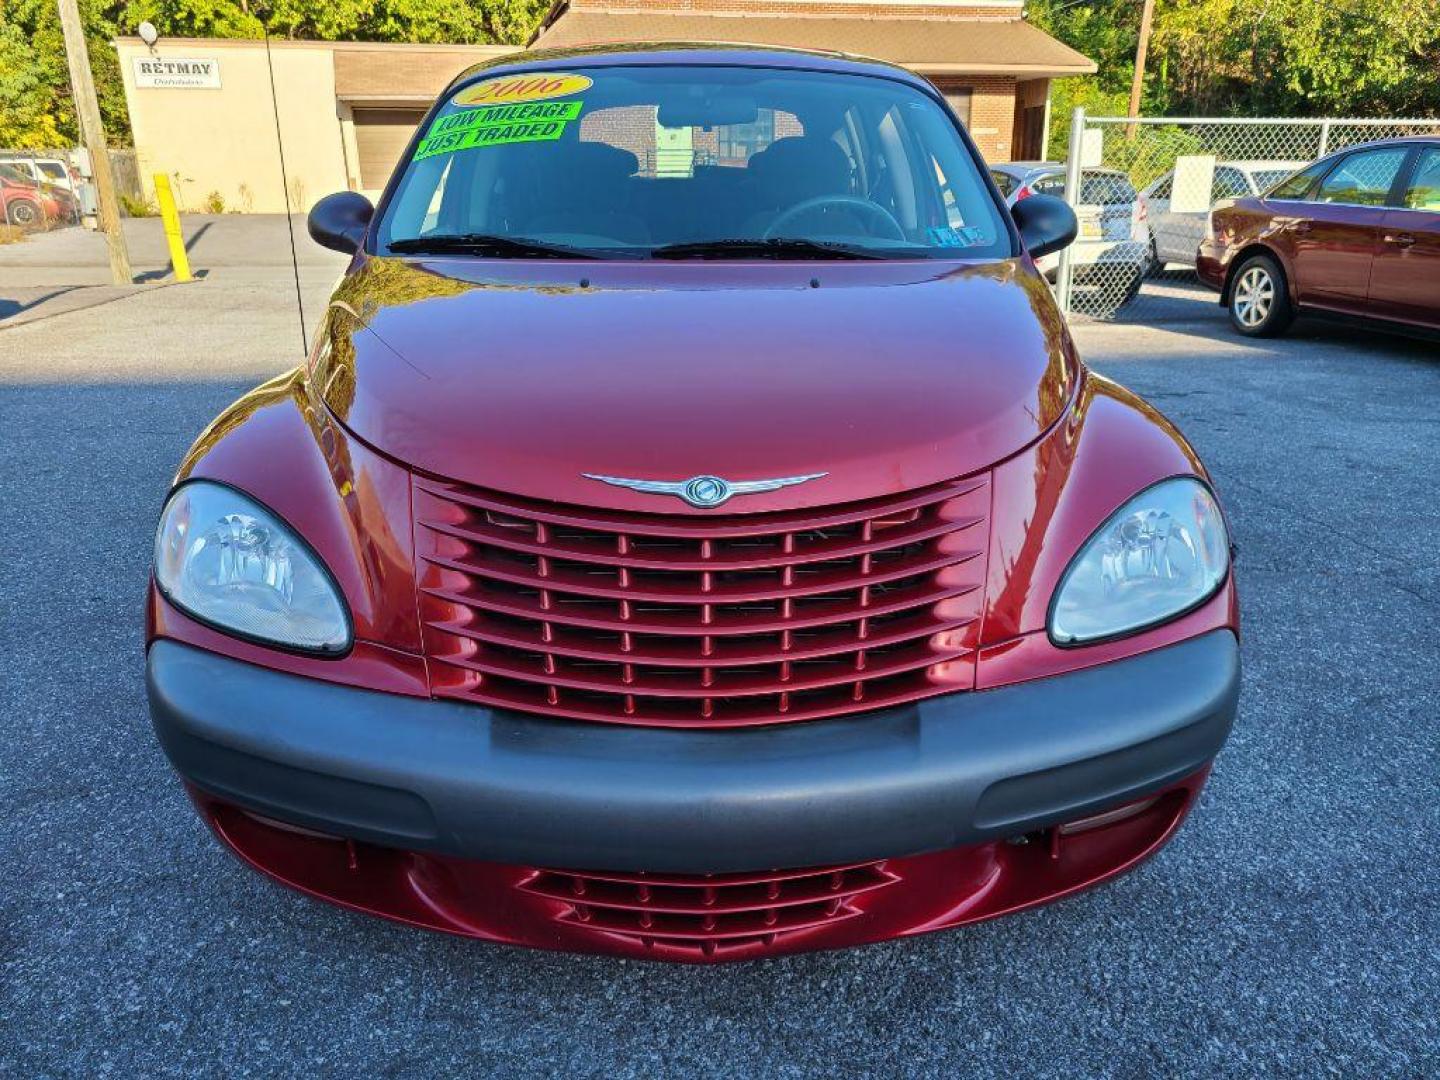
point(704, 492)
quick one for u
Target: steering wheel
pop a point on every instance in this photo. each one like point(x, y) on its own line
point(847, 202)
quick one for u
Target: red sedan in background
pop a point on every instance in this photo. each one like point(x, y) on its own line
point(1357, 234)
point(23, 203)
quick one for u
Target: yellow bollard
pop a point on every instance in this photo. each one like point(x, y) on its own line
point(171, 217)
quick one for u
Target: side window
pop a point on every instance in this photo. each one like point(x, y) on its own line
point(1363, 179)
point(1229, 184)
point(1004, 181)
point(1299, 186)
point(1424, 190)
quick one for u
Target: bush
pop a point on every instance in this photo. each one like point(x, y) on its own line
point(134, 207)
point(11, 234)
point(214, 203)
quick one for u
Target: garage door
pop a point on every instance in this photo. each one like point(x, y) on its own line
point(380, 138)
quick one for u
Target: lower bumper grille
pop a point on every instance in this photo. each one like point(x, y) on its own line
point(693, 918)
point(684, 621)
point(709, 915)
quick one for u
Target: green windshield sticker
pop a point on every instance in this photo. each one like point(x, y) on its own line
point(496, 125)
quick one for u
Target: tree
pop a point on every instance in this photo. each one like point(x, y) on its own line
point(35, 107)
point(1258, 57)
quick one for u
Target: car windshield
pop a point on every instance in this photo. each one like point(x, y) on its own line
point(692, 162)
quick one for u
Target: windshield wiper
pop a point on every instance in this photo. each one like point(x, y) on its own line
point(486, 245)
point(778, 247)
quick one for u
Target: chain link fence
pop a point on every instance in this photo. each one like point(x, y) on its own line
point(1159, 178)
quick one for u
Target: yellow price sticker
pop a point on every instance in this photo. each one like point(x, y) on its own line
point(511, 89)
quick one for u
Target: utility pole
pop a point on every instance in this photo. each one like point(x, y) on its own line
point(1142, 50)
point(92, 133)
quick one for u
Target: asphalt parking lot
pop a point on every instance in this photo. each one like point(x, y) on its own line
point(1292, 928)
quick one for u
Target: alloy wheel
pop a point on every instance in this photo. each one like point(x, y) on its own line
point(1254, 296)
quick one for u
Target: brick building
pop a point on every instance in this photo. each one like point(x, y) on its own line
point(992, 66)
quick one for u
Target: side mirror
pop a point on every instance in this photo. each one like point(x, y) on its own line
point(1047, 224)
point(339, 221)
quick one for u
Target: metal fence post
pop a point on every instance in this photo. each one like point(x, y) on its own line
point(1324, 138)
point(1072, 193)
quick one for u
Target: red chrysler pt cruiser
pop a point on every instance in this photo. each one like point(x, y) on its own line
point(692, 536)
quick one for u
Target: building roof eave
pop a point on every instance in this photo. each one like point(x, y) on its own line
point(946, 45)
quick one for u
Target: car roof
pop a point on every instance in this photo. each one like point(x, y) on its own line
point(1266, 165)
point(682, 53)
point(1397, 140)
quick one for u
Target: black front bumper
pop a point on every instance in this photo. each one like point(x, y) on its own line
point(505, 787)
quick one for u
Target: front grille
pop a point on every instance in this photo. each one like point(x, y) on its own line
point(715, 621)
point(709, 914)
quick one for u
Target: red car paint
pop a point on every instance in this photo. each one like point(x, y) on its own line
point(721, 917)
point(601, 378)
point(1379, 262)
point(15, 194)
point(898, 375)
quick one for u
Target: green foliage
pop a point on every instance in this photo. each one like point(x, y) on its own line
point(35, 107)
point(1207, 57)
point(134, 207)
point(1256, 57)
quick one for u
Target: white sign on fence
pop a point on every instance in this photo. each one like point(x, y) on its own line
point(1092, 148)
point(1194, 181)
point(166, 73)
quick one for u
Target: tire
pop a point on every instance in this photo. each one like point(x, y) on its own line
point(1105, 299)
point(1259, 301)
point(1153, 266)
point(1130, 289)
point(25, 214)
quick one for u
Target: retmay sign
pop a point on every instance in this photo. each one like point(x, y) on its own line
point(153, 72)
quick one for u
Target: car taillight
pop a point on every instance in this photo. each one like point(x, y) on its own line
point(1143, 214)
point(1023, 193)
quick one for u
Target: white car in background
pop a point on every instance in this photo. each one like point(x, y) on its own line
point(1110, 257)
point(1175, 236)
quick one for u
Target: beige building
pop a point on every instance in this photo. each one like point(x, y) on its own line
point(201, 109)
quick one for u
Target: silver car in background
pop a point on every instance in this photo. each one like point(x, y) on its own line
point(1175, 235)
point(1111, 256)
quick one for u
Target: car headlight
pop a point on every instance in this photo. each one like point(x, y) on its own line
point(226, 560)
point(1160, 555)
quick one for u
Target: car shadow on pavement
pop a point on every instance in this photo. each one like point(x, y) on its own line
point(10, 307)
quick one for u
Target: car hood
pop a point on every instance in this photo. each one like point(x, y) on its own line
point(522, 376)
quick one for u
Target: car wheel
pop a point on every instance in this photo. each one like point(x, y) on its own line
point(1104, 298)
point(1153, 266)
point(1130, 289)
point(25, 214)
point(1259, 298)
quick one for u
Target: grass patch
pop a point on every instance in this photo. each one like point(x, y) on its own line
point(11, 234)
